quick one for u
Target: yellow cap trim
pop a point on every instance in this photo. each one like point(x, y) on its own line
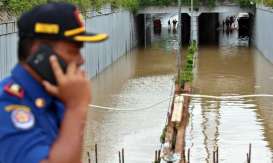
point(47, 28)
point(95, 38)
point(74, 31)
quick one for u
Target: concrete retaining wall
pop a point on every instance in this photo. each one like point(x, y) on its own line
point(122, 37)
point(263, 34)
point(121, 29)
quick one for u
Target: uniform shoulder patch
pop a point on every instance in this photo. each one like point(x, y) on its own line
point(14, 90)
point(21, 116)
point(22, 119)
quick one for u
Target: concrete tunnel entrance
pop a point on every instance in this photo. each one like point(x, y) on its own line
point(145, 26)
point(185, 29)
point(209, 27)
point(213, 25)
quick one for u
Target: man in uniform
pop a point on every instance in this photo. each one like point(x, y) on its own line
point(42, 122)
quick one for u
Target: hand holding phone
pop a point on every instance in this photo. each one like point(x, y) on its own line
point(73, 87)
point(39, 62)
point(67, 82)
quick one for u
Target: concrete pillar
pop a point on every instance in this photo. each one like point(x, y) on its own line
point(194, 27)
point(148, 29)
point(145, 31)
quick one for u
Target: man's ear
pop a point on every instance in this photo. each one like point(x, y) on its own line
point(35, 46)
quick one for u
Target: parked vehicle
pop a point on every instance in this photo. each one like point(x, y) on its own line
point(157, 26)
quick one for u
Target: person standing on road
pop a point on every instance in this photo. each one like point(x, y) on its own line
point(42, 122)
point(174, 23)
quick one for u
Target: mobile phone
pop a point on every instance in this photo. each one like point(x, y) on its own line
point(39, 62)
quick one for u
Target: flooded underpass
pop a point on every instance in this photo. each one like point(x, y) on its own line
point(145, 77)
point(231, 124)
point(137, 81)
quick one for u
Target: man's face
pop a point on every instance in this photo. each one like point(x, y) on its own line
point(70, 52)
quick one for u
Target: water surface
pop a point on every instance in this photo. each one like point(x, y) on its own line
point(145, 77)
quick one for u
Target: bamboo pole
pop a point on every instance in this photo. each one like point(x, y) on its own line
point(88, 155)
point(96, 153)
point(217, 155)
point(158, 158)
point(119, 156)
point(249, 152)
point(122, 155)
point(213, 160)
point(155, 156)
point(189, 152)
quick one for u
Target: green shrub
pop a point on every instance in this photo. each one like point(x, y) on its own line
point(18, 6)
point(131, 5)
point(190, 62)
point(247, 3)
point(268, 3)
point(211, 3)
point(157, 2)
point(186, 74)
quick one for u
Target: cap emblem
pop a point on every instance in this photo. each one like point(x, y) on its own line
point(47, 28)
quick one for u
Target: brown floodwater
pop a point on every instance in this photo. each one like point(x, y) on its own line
point(231, 69)
point(145, 77)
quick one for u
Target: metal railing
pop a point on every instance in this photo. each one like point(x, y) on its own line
point(8, 47)
point(119, 25)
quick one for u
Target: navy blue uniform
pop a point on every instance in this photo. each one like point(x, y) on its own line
point(29, 118)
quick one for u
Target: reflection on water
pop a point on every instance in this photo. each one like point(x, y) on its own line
point(230, 69)
point(167, 41)
point(145, 77)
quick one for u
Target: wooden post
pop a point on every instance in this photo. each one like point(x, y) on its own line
point(181, 131)
point(96, 153)
point(158, 159)
point(122, 155)
point(249, 153)
point(213, 157)
point(189, 151)
point(88, 155)
point(247, 158)
point(119, 157)
point(155, 156)
point(217, 155)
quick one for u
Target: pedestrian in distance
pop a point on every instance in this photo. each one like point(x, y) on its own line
point(44, 102)
point(227, 24)
point(223, 25)
point(169, 24)
point(174, 23)
point(174, 26)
